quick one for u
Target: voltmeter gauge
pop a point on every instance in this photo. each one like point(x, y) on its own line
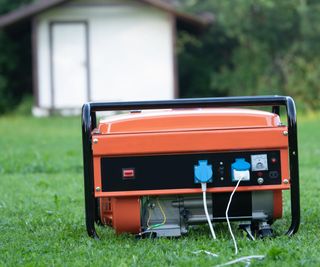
point(259, 162)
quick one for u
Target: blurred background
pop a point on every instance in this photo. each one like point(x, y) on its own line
point(55, 55)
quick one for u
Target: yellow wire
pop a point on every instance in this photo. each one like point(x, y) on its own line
point(149, 217)
point(163, 214)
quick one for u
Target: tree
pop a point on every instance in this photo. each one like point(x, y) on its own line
point(254, 47)
point(15, 60)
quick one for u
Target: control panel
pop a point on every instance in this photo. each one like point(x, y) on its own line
point(188, 170)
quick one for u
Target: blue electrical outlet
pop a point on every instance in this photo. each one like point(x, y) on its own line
point(203, 172)
point(240, 168)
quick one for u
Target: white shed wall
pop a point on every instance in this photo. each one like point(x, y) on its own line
point(131, 53)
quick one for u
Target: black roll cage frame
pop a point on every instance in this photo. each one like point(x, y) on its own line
point(89, 122)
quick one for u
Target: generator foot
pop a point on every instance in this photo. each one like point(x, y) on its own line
point(265, 230)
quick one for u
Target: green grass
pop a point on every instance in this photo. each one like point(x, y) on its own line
point(42, 208)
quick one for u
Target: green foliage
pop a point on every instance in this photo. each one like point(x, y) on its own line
point(42, 208)
point(255, 47)
point(15, 60)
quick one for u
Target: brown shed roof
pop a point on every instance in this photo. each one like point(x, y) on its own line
point(27, 11)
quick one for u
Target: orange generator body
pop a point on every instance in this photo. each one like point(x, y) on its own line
point(143, 168)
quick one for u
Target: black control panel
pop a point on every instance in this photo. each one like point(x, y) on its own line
point(178, 171)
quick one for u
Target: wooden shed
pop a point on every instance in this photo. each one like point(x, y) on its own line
point(101, 50)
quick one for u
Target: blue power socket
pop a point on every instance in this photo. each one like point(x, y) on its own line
point(242, 168)
point(203, 172)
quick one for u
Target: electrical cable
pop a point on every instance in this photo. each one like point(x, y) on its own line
point(227, 217)
point(246, 259)
point(162, 211)
point(204, 195)
point(149, 216)
point(158, 224)
point(205, 252)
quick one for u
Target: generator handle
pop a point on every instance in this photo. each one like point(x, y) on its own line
point(89, 122)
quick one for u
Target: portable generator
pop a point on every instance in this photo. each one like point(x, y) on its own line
point(164, 166)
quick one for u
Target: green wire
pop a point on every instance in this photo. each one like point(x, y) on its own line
point(163, 214)
point(156, 226)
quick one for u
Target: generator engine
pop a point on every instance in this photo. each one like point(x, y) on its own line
point(164, 166)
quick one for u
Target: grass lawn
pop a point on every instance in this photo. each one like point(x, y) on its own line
point(42, 208)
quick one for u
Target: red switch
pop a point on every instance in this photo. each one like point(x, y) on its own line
point(128, 173)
